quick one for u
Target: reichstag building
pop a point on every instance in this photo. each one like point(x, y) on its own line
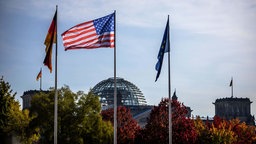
point(128, 94)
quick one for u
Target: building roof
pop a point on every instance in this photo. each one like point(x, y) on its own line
point(233, 99)
point(127, 92)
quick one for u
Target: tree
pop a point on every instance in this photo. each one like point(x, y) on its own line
point(12, 118)
point(94, 129)
point(244, 133)
point(79, 119)
point(221, 132)
point(127, 127)
point(6, 100)
point(203, 131)
point(156, 130)
point(42, 106)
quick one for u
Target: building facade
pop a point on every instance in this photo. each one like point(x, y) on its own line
point(27, 97)
point(230, 108)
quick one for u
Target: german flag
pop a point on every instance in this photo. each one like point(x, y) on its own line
point(39, 75)
point(49, 40)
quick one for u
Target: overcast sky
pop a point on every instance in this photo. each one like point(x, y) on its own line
point(211, 41)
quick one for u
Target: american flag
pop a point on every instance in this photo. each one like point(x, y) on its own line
point(92, 34)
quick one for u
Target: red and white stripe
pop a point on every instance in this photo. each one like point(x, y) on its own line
point(84, 36)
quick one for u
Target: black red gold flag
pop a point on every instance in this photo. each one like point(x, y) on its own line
point(49, 40)
point(39, 75)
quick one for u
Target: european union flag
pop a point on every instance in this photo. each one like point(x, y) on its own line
point(165, 47)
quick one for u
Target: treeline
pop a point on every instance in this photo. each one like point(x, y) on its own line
point(80, 120)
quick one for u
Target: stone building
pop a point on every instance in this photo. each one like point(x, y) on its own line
point(230, 108)
point(27, 97)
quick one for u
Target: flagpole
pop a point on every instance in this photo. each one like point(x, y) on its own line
point(115, 99)
point(169, 87)
point(56, 93)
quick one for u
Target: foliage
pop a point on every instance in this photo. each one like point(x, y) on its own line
point(183, 127)
point(219, 131)
point(222, 133)
point(7, 99)
point(203, 131)
point(245, 133)
point(94, 129)
point(12, 118)
point(127, 127)
point(156, 130)
point(42, 107)
point(79, 119)
point(226, 132)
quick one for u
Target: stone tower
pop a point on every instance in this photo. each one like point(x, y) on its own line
point(230, 108)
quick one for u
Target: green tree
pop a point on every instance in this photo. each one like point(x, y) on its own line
point(42, 107)
point(79, 119)
point(94, 129)
point(12, 118)
point(6, 100)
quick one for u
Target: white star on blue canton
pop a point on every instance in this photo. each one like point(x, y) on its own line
point(104, 24)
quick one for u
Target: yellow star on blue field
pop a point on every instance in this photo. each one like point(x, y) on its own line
point(163, 49)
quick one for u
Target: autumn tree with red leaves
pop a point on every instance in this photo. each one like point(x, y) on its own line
point(225, 131)
point(245, 133)
point(127, 127)
point(156, 130)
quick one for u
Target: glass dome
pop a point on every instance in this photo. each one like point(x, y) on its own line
point(127, 92)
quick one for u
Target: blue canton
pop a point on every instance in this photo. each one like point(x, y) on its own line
point(104, 24)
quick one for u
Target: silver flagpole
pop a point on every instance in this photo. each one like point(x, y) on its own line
point(115, 99)
point(56, 92)
point(169, 87)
